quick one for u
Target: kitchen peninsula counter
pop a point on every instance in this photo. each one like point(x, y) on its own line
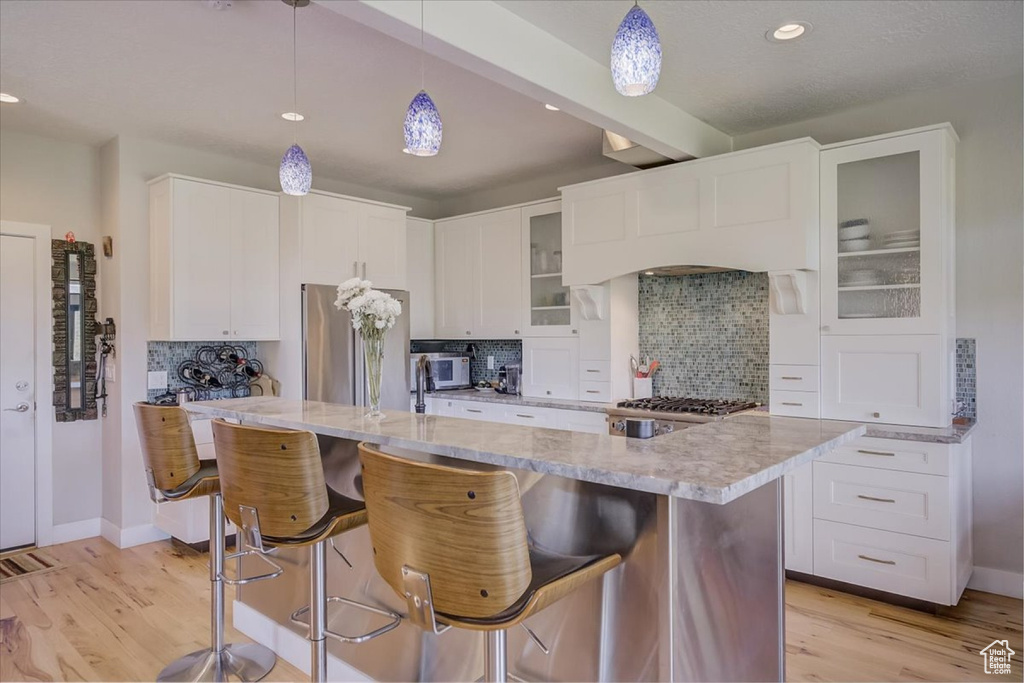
point(716, 462)
point(696, 514)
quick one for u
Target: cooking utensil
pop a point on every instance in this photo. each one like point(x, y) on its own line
point(654, 366)
point(634, 365)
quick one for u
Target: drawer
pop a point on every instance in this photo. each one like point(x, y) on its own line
point(595, 371)
point(476, 410)
point(794, 403)
point(583, 421)
point(904, 502)
point(892, 454)
point(202, 430)
point(596, 391)
point(897, 563)
point(530, 417)
point(793, 377)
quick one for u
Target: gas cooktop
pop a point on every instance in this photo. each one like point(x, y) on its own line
point(687, 405)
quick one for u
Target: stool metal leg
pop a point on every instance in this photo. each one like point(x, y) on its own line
point(220, 662)
point(318, 611)
point(495, 656)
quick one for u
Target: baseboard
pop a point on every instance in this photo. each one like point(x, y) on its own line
point(287, 644)
point(75, 531)
point(132, 536)
point(998, 581)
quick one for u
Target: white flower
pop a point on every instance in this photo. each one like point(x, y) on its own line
point(350, 289)
point(373, 312)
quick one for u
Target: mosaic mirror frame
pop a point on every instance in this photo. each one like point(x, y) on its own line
point(73, 272)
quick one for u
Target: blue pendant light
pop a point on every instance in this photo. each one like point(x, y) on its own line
point(423, 127)
point(636, 54)
point(296, 174)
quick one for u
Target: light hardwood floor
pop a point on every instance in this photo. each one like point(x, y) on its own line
point(121, 615)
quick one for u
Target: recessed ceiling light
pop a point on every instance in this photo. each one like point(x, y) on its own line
point(648, 272)
point(292, 116)
point(551, 107)
point(788, 31)
point(9, 99)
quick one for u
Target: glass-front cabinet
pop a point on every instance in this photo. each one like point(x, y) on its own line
point(886, 235)
point(547, 303)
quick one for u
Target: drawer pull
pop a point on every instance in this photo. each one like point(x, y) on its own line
point(877, 500)
point(791, 403)
point(875, 559)
point(473, 410)
point(591, 370)
point(593, 391)
point(888, 455)
point(526, 416)
point(794, 378)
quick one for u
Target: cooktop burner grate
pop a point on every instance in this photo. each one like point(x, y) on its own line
point(697, 406)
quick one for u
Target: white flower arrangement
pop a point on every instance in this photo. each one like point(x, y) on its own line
point(373, 311)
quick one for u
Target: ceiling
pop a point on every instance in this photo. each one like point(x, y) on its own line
point(718, 66)
point(184, 73)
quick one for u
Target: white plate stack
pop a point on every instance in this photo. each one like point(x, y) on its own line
point(854, 235)
point(903, 239)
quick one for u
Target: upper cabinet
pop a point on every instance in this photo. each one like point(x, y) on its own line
point(752, 210)
point(344, 238)
point(887, 238)
point(547, 306)
point(478, 276)
point(419, 256)
point(214, 261)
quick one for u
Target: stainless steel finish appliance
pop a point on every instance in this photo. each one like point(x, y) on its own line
point(447, 370)
point(333, 353)
point(669, 414)
point(510, 379)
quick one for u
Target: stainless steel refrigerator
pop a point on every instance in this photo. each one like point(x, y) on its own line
point(333, 362)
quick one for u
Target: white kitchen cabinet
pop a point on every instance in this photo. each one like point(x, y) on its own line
point(344, 237)
point(608, 331)
point(553, 418)
point(895, 379)
point(547, 306)
point(214, 261)
point(551, 367)
point(890, 270)
point(798, 518)
point(755, 210)
point(419, 241)
point(478, 276)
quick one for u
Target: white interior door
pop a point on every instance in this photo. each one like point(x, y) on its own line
point(17, 392)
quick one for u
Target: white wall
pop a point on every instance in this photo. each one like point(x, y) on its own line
point(990, 278)
point(56, 183)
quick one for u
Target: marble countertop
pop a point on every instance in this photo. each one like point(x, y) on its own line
point(715, 462)
point(955, 433)
point(495, 397)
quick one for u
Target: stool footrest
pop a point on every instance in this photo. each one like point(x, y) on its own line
point(396, 619)
point(242, 580)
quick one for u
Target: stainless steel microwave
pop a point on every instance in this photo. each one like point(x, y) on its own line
point(447, 370)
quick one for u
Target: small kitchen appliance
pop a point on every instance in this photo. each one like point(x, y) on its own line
point(510, 378)
point(447, 370)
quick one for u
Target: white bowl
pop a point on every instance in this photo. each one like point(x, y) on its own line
point(846, 246)
point(853, 232)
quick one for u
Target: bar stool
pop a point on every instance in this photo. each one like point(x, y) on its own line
point(175, 472)
point(453, 543)
point(275, 493)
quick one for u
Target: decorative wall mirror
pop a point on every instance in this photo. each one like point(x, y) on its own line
point(74, 330)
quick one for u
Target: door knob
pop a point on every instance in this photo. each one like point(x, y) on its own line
point(20, 408)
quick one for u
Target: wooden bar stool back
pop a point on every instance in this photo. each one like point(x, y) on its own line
point(453, 543)
point(275, 492)
point(175, 472)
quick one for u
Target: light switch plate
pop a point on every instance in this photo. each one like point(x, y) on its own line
point(109, 373)
point(158, 379)
point(490, 362)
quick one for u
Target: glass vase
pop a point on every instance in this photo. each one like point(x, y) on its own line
point(373, 350)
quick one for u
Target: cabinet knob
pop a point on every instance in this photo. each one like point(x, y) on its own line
point(825, 328)
point(876, 415)
point(575, 331)
point(467, 332)
point(224, 332)
point(515, 331)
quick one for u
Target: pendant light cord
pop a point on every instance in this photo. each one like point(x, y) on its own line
point(295, 76)
point(423, 80)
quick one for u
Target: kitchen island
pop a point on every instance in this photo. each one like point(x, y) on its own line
point(696, 514)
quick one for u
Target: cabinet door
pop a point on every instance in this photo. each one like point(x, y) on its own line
point(497, 305)
point(890, 379)
point(456, 246)
point(201, 279)
point(798, 519)
point(419, 250)
point(597, 222)
point(884, 232)
point(551, 368)
point(547, 304)
point(330, 239)
point(382, 246)
point(255, 251)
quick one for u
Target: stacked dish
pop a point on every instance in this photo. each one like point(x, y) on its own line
point(903, 239)
point(861, 278)
point(854, 235)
